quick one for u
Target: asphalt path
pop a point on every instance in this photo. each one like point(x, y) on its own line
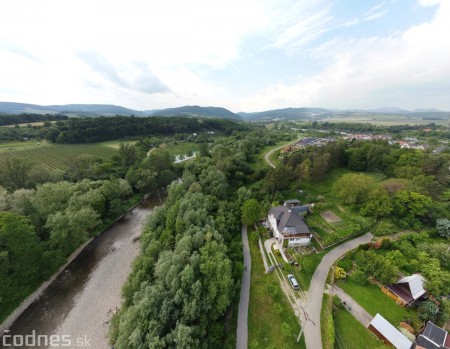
point(242, 329)
point(313, 304)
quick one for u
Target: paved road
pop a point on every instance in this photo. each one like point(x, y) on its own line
point(353, 307)
point(314, 302)
point(242, 333)
point(269, 154)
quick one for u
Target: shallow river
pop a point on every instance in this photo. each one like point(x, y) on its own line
point(77, 307)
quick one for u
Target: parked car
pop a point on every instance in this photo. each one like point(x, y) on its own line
point(293, 281)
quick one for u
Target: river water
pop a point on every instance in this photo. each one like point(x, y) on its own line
point(77, 307)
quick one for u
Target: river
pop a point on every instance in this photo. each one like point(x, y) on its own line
point(76, 308)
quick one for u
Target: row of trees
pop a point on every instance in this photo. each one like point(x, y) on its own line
point(13, 119)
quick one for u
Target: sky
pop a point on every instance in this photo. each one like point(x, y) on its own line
point(244, 55)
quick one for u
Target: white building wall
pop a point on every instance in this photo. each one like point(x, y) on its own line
point(299, 242)
point(273, 225)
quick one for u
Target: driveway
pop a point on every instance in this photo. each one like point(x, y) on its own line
point(352, 306)
point(242, 331)
point(313, 305)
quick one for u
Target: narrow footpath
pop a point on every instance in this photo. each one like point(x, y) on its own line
point(242, 328)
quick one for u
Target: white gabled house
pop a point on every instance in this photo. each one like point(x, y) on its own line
point(288, 226)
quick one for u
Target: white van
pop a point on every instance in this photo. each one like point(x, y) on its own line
point(293, 281)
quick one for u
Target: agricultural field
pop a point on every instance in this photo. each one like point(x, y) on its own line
point(385, 120)
point(55, 156)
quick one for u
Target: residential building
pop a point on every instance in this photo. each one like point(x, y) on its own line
point(288, 226)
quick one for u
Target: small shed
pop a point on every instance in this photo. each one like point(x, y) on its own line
point(388, 333)
point(407, 290)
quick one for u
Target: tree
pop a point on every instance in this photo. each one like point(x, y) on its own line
point(379, 204)
point(4, 205)
point(129, 154)
point(443, 227)
point(410, 206)
point(353, 188)
point(251, 212)
point(15, 172)
point(427, 310)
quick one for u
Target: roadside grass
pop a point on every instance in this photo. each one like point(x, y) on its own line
point(351, 334)
point(374, 301)
point(327, 322)
point(267, 314)
point(308, 265)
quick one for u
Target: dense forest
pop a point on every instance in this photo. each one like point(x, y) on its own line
point(12, 119)
point(89, 130)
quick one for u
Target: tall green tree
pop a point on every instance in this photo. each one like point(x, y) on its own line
point(251, 212)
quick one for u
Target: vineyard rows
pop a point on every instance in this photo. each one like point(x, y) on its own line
point(58, 156)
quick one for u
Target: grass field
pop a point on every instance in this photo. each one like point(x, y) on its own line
point(350, 334)
point(56, 156)
point(267, 313)
point(374, 301)
point(12, 146)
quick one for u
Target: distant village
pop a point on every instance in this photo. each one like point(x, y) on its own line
point(408, 143)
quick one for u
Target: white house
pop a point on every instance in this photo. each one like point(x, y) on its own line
point(288, 226)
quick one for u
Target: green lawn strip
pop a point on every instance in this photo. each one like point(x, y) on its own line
point(308, 265)
point(351, 334)
point(266, 314)
point(327, 323)
point(371, 298)
point(116, 143)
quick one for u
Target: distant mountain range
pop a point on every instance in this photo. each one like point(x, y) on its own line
point(109, 110)
point(218, 112)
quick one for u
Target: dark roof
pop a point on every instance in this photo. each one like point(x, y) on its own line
point(435, 333)
point(304, 208)
point(401, 291)
point(289, 222)
point(425, 343)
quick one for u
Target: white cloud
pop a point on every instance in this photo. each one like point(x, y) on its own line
point(408, 69)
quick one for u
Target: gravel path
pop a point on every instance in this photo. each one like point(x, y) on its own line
point(352, 306)
point(95, 305)
point(242, 326)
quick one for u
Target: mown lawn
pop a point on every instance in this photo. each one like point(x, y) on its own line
point(350, 334)
point(371, 298)
point(267, 313)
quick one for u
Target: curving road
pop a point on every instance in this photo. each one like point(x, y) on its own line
point(270, 152)
point(313, 304)
point(242, 333)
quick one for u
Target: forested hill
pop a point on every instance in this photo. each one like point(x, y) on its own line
point(287, 114)
point(89, 130)
point(196, 110)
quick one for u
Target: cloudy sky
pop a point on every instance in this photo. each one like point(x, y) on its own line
point(245, 55)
